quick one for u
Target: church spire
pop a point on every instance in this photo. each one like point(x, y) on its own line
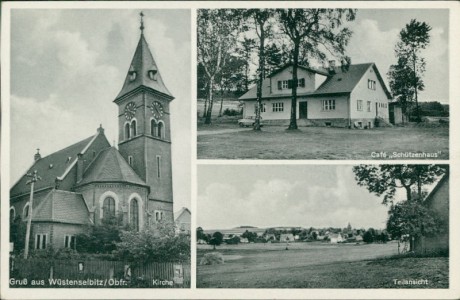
point(143, 71)
point(142, 22)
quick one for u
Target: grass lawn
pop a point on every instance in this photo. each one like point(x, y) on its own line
point(275, 142)
point(318, 265)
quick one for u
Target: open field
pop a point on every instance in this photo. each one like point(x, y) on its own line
point(275, 142)
point(317, 265)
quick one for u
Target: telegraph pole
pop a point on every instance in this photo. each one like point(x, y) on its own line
point(33, 178)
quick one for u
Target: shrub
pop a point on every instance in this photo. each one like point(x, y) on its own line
point(231, 112)
point(213, 258)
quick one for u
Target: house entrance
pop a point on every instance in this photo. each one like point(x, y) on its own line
point(303, 110)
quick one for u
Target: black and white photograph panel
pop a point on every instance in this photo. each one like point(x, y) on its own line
point(100, 161)
point(323, 84)
point(323, 226)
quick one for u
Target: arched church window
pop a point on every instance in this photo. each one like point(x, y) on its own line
point(134, 127)
point(153, 127)
point(108, 209)
point(127, 131)
point(12, 214)
point(160, 130)
point(25, 212)
point(134, 215)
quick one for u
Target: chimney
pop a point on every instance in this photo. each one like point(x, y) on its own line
point(332, 67)
point(79, 167)
point(37, 155)
point(100, 129)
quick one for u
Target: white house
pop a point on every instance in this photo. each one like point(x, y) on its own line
point(345, 96)
point(287, 237)
point(335, 238)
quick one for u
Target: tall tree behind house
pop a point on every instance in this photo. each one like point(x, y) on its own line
point(319, 32)
point(406, 76)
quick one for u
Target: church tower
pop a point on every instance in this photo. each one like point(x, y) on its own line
point(144, 128)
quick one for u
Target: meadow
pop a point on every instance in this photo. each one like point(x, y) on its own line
point(317, 265)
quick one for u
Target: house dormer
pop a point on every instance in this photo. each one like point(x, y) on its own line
point(308, 80)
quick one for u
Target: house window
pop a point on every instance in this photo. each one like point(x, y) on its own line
point(285, 84)
point(301, 82)
point(262, 108)
point(70, 241)
point(134, 127)
point(278, 107)
point(371, 84)
point(328, 104)
point(359, 104)
point(127, 131)
point(40, 241)
point(108, 209)
point(368, 105)
point(134, 215)
point(130, 160)
point(158, 166)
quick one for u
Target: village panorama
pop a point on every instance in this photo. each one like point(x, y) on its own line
point(362, 226)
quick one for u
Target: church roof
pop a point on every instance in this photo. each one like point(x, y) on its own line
point(138, 74)
point(51, 167)
point(62, 206)
point(110, 166)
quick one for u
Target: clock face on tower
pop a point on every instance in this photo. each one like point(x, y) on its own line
point(157, 109)
point(130, 110)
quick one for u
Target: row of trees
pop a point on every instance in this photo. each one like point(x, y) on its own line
point(228, 39)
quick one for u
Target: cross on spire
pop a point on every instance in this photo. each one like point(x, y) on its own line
point(142, 22)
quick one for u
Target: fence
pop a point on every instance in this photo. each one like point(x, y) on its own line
point(98, 273)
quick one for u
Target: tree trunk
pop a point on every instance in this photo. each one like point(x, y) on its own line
point(261, 75)
point(293, 122)
point(417, 111)
point(221, 101)
point(205, 105)
point(408, 193)
point(210, 95)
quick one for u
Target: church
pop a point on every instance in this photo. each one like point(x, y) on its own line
point(91, 181)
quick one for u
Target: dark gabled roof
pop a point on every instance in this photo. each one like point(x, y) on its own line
point(110, 166)
point(342, 82)
point(62, 206)
point(142, 63)
point(51, 167)
point(346, 81)
point(313, 70)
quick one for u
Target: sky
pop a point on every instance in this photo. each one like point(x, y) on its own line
point(67, 66)
point(285, 195)
point(375, 34)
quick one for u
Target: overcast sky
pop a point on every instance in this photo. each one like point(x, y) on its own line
point(375, 34)
point(285, 195)
point(67, 66)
